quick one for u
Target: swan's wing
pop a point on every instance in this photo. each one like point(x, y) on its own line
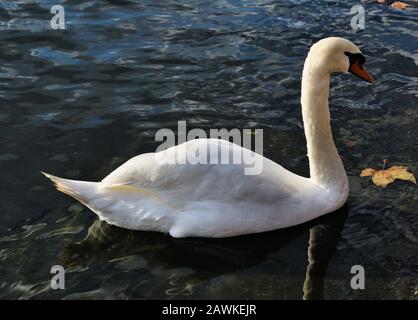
point(171, 175)
point(168, 194)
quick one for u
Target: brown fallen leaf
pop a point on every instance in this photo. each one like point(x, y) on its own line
point(382, 178)
point(400, 5)
point(395, 4)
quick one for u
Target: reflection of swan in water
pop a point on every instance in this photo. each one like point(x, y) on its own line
point(323, 238)
point(105, 242)
point(210, 257)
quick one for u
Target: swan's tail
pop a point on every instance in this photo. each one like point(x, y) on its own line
point(119, 204)
point(83, 191)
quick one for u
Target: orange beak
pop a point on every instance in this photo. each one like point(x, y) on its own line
point(357, 69)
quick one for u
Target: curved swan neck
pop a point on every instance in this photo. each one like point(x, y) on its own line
point(326, 168)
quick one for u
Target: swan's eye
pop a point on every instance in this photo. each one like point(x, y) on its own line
point(355, 57)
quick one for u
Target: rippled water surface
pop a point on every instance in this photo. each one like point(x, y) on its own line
point(80, 102)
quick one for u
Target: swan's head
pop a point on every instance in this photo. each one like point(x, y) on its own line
point(339, 55)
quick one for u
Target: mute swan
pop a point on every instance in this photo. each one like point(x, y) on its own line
point(219, 200)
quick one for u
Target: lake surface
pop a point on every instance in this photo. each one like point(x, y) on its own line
point(79, 102)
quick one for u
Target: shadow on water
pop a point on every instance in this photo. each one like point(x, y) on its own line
point(211, 257)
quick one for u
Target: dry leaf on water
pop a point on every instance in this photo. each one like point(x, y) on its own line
point(382, 178)
point(396, 4)
point(400, 5)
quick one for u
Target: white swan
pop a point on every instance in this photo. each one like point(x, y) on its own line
point(219, 200)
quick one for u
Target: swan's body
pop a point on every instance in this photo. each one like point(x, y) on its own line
point(220, 200)
point(206, 200)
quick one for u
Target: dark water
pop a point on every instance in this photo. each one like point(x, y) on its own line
point(79, 102)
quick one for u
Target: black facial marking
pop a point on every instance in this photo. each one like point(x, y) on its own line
point(354, 57)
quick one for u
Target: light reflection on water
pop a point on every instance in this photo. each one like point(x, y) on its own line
point(80, 102)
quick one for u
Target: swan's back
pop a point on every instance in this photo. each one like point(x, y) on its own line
point(169, 169)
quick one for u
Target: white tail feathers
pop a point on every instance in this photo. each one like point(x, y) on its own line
point(82, 191)
point(123, 205)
